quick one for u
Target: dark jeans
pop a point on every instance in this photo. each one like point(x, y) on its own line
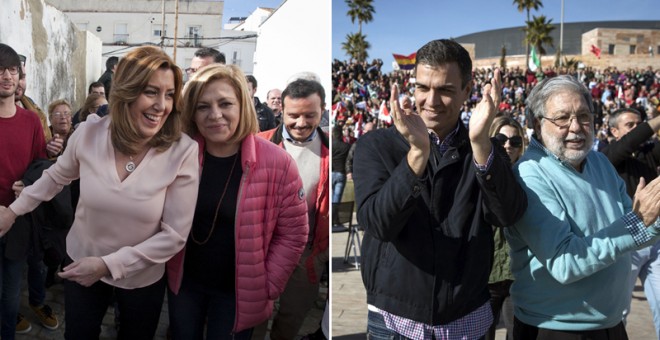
point(522, 331)
point(196, 305)
point(500, 302)
point(85, 308)
point(338, 184)
point(376, 329)
point(11, 274)
point(36, 278)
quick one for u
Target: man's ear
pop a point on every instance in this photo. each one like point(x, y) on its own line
point(615, 132)
point(467, 90)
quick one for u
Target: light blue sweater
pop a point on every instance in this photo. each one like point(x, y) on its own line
point(570, 251)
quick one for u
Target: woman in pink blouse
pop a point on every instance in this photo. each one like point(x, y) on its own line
point(138, 185)
point(250, 224)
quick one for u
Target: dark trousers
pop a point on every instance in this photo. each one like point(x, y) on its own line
point(522, 331)
point(500, 303)
point(197, 306)
point(85, 308)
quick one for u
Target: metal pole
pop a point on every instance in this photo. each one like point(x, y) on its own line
point(176, 28)
point(561, 35)
point(162, 30)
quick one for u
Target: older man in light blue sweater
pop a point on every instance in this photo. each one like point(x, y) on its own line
point(570, 251)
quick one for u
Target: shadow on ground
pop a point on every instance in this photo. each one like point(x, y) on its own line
point(359, 336)
point(339, 266)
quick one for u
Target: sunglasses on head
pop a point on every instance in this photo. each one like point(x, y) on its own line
point(515, 141)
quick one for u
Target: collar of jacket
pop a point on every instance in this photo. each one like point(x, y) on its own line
point(277, 136)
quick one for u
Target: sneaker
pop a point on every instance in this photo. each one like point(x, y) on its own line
point(46, 316)
point(22, 325)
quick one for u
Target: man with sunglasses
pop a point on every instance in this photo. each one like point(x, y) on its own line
point(21, 142)
point(634, 155)
point(570, 252)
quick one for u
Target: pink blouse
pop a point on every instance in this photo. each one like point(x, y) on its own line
point(136, 225)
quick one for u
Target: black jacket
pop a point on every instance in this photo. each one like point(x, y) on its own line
point(51, 220)
point(106, 80)
point(428, 244)
point(265, 116)
point(634, 156)
point(339, 155)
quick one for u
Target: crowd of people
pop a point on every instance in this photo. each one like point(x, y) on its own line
point(525, 196)
point(361, 91)
point(166, 183)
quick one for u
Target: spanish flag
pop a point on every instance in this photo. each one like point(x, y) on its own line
point(405, 62)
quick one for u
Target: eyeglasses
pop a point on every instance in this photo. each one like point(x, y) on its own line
point(62, 115)
point(13, 70)
point(515, 141)
point(565, 121)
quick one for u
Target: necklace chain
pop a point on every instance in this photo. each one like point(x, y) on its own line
point(217, 208)
point(130, 166)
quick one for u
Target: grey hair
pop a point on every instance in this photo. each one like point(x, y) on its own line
point(307, 75)
point(549, 87)
point(613, 122)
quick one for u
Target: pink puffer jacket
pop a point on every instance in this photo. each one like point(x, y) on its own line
point(271, 230)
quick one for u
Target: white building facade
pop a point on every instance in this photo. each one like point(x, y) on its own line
point(124, 24)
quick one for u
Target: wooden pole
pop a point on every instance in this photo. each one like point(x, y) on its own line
point(162, 30)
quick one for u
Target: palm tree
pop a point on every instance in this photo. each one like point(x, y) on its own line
point(503, 58)
point(537, 33)
point(571, 64)
point(356, 46)
point(527, 5)
point(360, 10)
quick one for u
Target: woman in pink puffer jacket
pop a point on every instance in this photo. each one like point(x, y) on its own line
point(250, 224)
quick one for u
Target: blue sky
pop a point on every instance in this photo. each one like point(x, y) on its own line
point(243, 8)
point(403, 26)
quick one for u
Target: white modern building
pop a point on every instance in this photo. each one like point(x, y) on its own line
point(124, 24)
point(295, 38)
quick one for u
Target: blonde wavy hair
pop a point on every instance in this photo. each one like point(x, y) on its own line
point(131, 78)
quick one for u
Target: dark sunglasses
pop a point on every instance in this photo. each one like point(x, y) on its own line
point(515, 141)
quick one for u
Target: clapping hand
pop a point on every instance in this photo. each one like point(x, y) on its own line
point(412, 127)
point(55, 146)
point(408, 123)
point(482, 118)
point(484, 113)
point(646, 202)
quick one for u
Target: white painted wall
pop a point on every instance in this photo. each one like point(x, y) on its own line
point(57, 54)
point(295, 38)
point(142, 17)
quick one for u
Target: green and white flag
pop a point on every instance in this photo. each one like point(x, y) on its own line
point(534, 61)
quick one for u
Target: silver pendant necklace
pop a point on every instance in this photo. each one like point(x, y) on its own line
point(130, 166)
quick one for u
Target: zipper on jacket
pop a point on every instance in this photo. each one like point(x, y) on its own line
point(246, 172)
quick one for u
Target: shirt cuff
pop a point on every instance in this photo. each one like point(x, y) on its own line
point(637, 228)
point(489, 161)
